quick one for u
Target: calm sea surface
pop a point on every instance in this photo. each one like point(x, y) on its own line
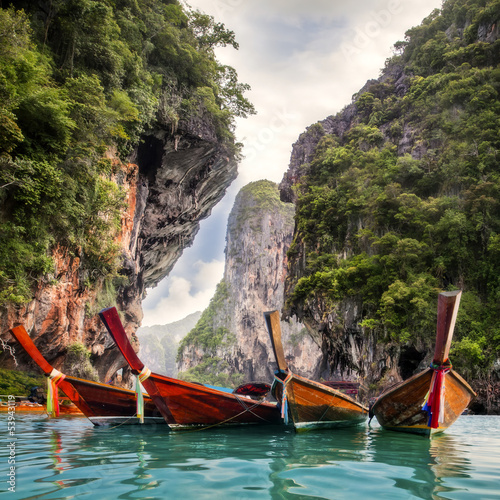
point(69, 458)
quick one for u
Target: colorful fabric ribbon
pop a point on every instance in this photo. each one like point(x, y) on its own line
point(54, 379)
point(434, 400)
point(145, 373)
point(284, 396)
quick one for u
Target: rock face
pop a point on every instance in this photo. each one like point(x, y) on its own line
point(350, 353)
point(259, 233)
point(172, 182)
point(337, 125)
point(159, 344)
point(348, 348)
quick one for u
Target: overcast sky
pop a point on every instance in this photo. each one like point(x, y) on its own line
point(304, 61)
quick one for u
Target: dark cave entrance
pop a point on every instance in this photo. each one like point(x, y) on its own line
point(409, 359)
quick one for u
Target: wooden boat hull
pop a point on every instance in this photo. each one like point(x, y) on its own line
point(66, 407)
point(102, 404)
point(313, 405)
point(400, 409)
point(105, 404)
point(197, 405)
point(310, 405)
point(22, 407)
point(186, 404)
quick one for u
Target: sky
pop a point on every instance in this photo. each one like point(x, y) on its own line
point(303, 61)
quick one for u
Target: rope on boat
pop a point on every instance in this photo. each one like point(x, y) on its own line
point(123, 423)
point(284, 395)
point(246, 409)
point(54, 379)
point(435, 398)
point(145, 373)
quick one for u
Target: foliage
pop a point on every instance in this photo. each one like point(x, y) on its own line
point(77, 362)
point(210, 337)
point(211, 371)
point(17, 383)
point(253, 200)
point(393, 226)
point(206, 333)
point(77, 79)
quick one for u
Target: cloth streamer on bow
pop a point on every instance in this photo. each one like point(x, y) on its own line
point(434, 400)
point(284, 396)
point(53, 381)
point(145, 373)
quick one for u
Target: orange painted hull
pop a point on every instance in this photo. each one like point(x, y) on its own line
point(101, 403)
point(313, 405)
point(22, 407)
point(106, 404)
point(65, 408)
point(400, 409)
point(194, 404)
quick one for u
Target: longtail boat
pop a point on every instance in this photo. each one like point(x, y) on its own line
point(186, 404)
point(102, 404)
point(430, 401)
point(308, 404)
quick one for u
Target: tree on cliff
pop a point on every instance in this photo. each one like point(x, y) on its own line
point(406, 201)
point(78, 78)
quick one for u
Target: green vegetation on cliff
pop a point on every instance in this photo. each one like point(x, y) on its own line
point(17, 383)
point(205, 334)
point(393, 225)
point(79, 78)
point(208, 337)
point(253, 200)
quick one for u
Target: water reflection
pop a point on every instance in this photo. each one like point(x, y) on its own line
point(421, 465)
point(81, 461)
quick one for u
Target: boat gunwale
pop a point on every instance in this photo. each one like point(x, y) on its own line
point(115, 388)
point(203, 389)
point(392, 390)
point(328, 390)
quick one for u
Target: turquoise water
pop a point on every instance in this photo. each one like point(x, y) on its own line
point(69, 458)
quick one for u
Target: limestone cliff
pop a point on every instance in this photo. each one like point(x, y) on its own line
point(230, 341)
point(159, 344)
point(413, 113)
point(172, 182)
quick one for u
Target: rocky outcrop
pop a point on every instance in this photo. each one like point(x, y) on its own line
point(304, 148)
point(159, 344)
point(259, 233)
point(349, 348)
point(173, 180)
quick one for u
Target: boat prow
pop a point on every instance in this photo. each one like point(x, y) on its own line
point(306, 403)
point(102, 404)
point(428, 402)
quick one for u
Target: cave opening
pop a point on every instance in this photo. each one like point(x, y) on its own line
point(149, 157)
point(409, 359)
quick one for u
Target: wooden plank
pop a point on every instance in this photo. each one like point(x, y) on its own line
point(448, 303)
point(274, 328)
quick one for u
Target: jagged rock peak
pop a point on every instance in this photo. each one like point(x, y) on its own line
point(231, 336)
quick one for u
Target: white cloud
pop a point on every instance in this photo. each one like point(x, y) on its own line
point(304, 61)
point(185, 296)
